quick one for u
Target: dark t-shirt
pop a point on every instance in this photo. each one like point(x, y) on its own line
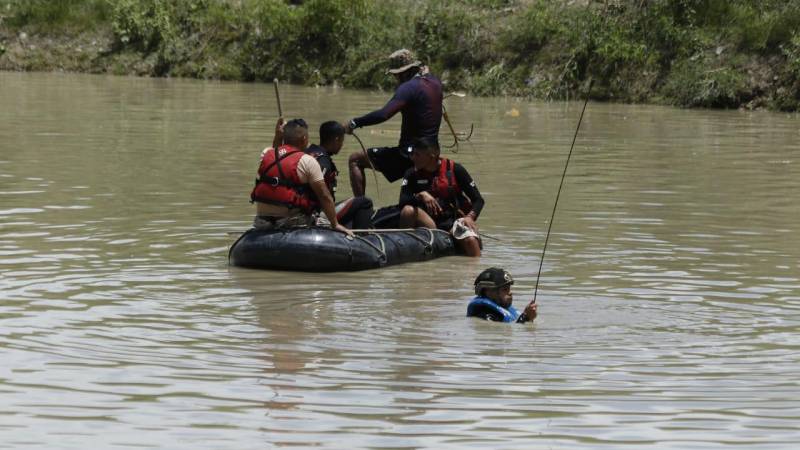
point(415, 182)
point(419, 100)
point(325, 161)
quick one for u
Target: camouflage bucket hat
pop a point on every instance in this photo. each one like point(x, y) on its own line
point(402, 60)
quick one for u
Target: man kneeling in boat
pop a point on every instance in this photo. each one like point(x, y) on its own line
point(440, 193)
point(290, 189)
point(353, 212)
point(493, 299)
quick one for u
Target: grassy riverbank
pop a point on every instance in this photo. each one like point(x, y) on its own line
point(695, 53)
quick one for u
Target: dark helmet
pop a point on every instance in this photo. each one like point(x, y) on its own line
point(492, 278)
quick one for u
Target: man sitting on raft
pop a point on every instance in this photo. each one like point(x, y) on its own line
point(355, 212)
point(440, 193)
point(493, 299)
point(290, 189)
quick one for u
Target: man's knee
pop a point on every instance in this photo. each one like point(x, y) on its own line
point(408, 211)
point(364, 202)
point(471, 246)
point(357, 159)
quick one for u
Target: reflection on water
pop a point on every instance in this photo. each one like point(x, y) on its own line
point(669, 301)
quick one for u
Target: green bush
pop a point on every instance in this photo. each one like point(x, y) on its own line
point(530, 30)
point(451, 37)
point(53, 16)
point(693, 84)
point(792, 53)
point(690, 52)
point(268, 49)
point(141, 24)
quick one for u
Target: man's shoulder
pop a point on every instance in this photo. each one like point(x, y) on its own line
point(305, 158)
point(485, 309)
point(415, 81)
point(458, 167)
point(308, 168)
point(431, 77)
point(315, 150)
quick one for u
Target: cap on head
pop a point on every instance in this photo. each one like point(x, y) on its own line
point(402, 60)
point(492, 278)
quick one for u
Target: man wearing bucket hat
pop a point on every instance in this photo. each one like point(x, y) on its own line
point(418, 98)
point(493, 299)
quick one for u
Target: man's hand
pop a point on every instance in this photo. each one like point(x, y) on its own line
point(349, 127)
point(431, 205)
point(469, 222)
point(530, 311)
point(343, 229)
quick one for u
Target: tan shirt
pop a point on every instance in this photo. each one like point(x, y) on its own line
point(308, 170)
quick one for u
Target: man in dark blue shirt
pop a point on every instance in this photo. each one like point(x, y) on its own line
point(418, 98)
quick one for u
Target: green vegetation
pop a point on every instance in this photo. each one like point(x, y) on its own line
point(693, 53)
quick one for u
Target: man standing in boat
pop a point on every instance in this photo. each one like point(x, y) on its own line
point(290, 189)
point(493, 299)
point(440, 193)
point(353, 212)
point(418, 98)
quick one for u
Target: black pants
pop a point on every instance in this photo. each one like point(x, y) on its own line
point(355, 212)
point(392, 162)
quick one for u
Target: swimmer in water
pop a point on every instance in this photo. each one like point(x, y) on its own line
point(493, 299)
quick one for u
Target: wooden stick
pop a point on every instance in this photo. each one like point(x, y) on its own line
point(278, 96)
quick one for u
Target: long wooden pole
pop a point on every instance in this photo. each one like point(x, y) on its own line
point(278, 97)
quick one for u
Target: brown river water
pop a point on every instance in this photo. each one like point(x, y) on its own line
point(669, 299)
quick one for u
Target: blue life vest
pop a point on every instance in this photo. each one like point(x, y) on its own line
point(485, 308)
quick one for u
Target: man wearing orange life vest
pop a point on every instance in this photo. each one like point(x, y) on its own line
point(290, 188)
point(440, 193)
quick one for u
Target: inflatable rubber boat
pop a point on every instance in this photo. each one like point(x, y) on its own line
point(313, 249)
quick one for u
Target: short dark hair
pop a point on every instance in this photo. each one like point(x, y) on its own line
point(294, 131)
point(426, 144)
point(330, 130)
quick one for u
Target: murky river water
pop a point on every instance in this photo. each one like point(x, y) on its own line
point(669, 301)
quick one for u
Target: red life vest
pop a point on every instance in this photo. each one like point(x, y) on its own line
point(445, 188)
point(278, 183)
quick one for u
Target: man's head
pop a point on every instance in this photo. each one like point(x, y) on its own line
point(403, 65)
point(495, 284)
point(425, 153)
point(331, 136)
point(295, 133)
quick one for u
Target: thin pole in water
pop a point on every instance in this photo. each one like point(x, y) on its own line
point(563, 175)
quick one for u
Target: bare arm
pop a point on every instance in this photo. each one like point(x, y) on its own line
point(328, 207)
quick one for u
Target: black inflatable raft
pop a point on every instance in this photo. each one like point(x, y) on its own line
point(325, 250)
